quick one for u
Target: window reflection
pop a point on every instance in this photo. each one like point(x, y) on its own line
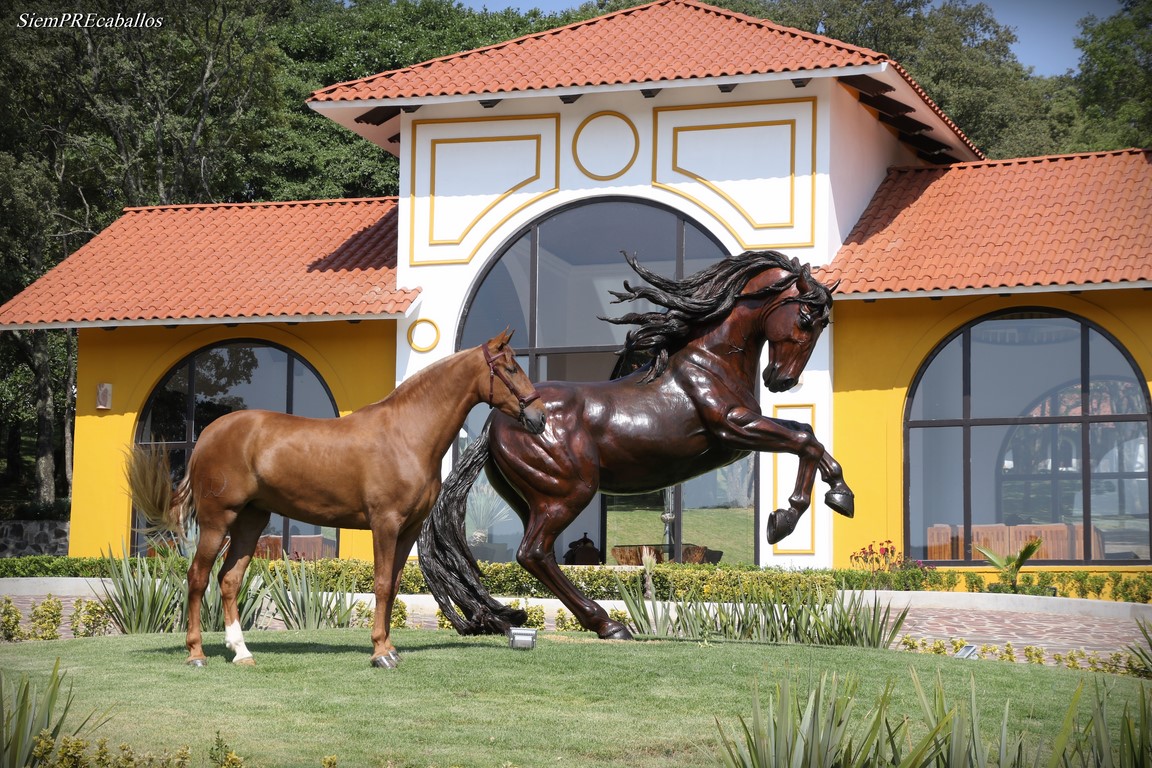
point(575, 257)
point(231, 377)
point(1056, 444)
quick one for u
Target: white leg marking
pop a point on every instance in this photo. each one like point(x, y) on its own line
point(234, 639)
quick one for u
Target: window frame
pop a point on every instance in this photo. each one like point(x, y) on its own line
point(188, 443)
point(966, 423)
point(534, 354)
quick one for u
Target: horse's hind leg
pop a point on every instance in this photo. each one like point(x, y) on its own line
point(537, 554)
point(199, 571)
point(245, 534)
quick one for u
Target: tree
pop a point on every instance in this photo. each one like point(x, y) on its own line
point(1115, 78)
point(98, 118)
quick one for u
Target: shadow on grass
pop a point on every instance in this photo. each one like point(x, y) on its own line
point(261, 644)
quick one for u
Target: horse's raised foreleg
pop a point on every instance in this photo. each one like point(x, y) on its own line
point(245, 534)
point(537, 554)
point(839, 496)
point(749, 429)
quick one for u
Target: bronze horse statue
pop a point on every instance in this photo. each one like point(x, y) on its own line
point(377, 468)
point(691, 409)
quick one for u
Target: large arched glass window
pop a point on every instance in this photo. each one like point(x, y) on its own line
point(235, 376)
point(551, 285)
point(1023, 425)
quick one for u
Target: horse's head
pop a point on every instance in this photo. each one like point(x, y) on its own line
point(517, 397)
point(792, 320)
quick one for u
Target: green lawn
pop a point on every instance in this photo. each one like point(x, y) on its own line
point(474, 702)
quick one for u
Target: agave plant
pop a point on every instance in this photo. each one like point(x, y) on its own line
point(1142, 653)
point(26, 711)
point(819, 731)
point(766, 615)
point(301, 600)
point(143, 594)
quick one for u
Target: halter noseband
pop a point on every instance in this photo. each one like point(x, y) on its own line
point(493, 372)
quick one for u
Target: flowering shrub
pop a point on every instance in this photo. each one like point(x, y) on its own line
point(882, 566)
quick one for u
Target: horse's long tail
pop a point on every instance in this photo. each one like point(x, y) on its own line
point(167, 510)
point(449, 567)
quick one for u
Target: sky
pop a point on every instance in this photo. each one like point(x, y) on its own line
point(1045, 28)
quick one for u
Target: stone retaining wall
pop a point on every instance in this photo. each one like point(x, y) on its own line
point(33, 537)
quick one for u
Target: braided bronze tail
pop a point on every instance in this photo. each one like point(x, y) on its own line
point(446, 561)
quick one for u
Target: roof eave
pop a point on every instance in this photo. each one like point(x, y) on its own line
point(1003, 291)
point(111, 324)
point(386, 134)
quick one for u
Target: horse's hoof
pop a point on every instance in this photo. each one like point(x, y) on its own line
point(620, 632)
point(197, 662)
point(781, 523)
point(246, 661)
point(842, 500)
point(385, 662)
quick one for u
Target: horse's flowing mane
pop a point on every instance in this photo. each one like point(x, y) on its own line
point(705, 296)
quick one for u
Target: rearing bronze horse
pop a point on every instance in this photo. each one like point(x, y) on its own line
point(691, 409)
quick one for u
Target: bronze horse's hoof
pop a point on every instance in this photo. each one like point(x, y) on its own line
point(619, 633)
point(781, 523)
point(197, 662)
point(842, 500)
point(389, 660)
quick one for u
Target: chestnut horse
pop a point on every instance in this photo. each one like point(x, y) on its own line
point(376, 468)
point(691, 409)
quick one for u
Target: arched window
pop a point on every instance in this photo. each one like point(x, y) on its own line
point(551, 285)
point(235, 376)
point(1024, 425)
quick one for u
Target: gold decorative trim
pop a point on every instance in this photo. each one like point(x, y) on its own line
point(414, 168)
point(631, 160)
point(810, 100)
point(412, 335)
point(434, 145)
point(811, 513)
point(791, 124)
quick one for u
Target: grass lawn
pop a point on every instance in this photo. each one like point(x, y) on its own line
point(459, 701)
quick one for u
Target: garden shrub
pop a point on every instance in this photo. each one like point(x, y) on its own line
point(40, 566)
point(599, 583)
point(46, 617)
point(90, 618)
point(10, 629)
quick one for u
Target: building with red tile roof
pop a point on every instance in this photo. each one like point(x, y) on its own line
point(232, 262)
point(1040, 223)
point(985, 377)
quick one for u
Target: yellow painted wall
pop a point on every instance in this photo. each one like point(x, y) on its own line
point(357, 361)
point(878, 347)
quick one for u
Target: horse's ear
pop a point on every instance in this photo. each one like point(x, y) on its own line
point(803, 276)
point(504, 337)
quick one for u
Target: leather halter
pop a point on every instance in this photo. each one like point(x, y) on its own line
point(495, 371)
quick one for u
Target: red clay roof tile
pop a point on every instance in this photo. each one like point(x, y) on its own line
point(626, 47)
point(1067, 220)
point(225, 262)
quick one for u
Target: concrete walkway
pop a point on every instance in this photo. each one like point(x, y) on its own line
point(1056, 624)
